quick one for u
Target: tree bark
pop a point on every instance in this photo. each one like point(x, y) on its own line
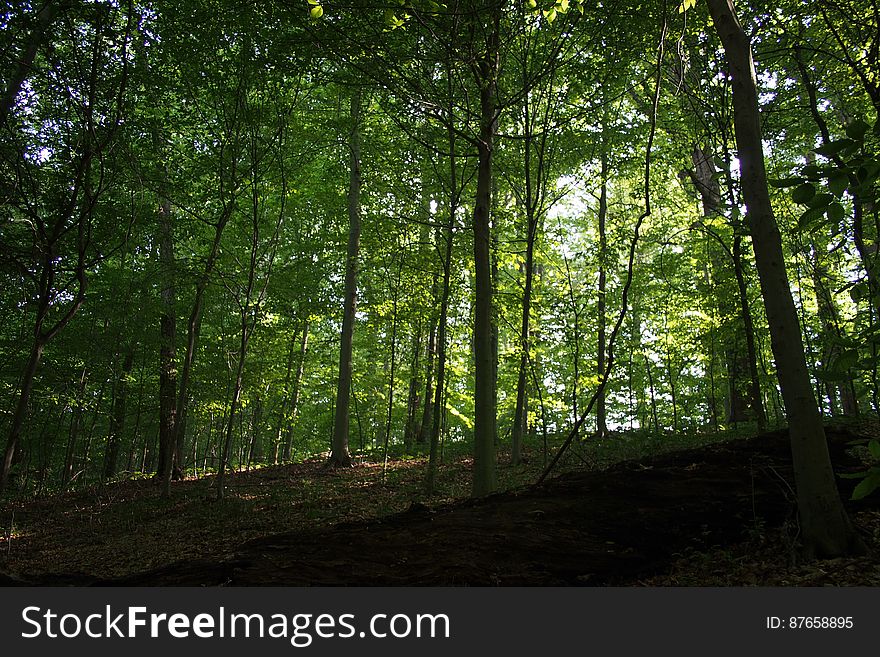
point(601, 347)
point(439, 413)
point(825, 526)
point(294, 396)
point(117, 420)
point(413, 401)
point(167, 364)
point(45, 17)
point(424, 433)
point(484, 367)
point(339, 454)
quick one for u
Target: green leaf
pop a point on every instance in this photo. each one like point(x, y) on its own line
point(803, 193)
point(550, 15)
point(809, 218)
point(831, 376)
point(812, 172)
point(835, 212)
point(846, 361)
point(857, 129)
point(833, 148)
point(868, 485)
point(858, 292)
point(874, 448)
point(838, 182)
point(868, 173)
point(316, 12)
point(821, 200)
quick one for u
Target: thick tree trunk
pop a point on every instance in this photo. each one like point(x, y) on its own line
point(339, 454)
point(825, 527)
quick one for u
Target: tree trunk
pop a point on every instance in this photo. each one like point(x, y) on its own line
point(413, 401)
point(825, 526)
point(167, 364)
point(601, 424)
point(339, 454)
point(117, 419)
point(520, 413)
point(45, 17)
point(484, 367)
point(742, 367)
point(424, 433)
point(391, 373)
point(297, 386)
point(439, 414)
point(21, 408)
point(749, 330)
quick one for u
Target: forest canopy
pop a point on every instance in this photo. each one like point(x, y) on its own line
point(237, 233)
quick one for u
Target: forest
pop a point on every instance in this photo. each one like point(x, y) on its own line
point(282, 264)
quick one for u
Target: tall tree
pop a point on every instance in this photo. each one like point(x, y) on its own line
point(826, 528)
point(339, 454)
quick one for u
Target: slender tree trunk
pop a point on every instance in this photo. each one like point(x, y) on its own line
point(391, 374)
point(424, 432)
point(285, 401)
point(749, 330)
point(742, 368)
point(117, 419)
point(167, 364)
point(653, 396)
point(438, 415)
point(826, 528)
point(520, 413)
point(484, 379)
point(18, 418)
point(339, 454)
point(45, 17)
point(229, 432)
point(412, 400)
point(601, 347)
point(297, 387)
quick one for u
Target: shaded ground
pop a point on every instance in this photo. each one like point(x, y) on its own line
point(721, 514)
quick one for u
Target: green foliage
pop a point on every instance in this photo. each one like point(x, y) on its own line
point(238, 113)
point(870, 478)
point(852, 166)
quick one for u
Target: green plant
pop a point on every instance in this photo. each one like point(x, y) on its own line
point(871, 476)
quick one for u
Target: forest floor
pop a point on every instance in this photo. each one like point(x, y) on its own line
point(721, 514)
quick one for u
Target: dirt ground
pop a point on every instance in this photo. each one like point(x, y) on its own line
point(638, 522)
